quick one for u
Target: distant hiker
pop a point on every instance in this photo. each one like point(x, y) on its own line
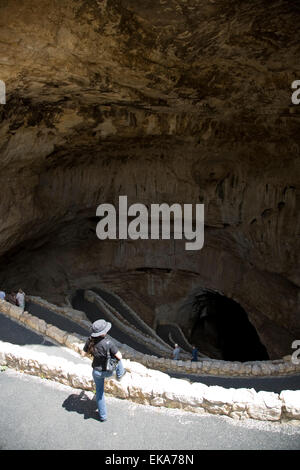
point(2, 295)
point(176, 352)
point(20, 299)
point(194, 354)
point(11, 298)
point(101, 346)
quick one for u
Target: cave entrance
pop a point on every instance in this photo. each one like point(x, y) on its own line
point(222, 329)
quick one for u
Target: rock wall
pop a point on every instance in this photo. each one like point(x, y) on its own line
point(185, 101)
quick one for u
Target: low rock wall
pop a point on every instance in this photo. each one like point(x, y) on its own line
point(144, 325)
point(151, 387)
point(203, 366)
point(140, 337)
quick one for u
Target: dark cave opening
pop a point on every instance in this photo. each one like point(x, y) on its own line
point(222, 329)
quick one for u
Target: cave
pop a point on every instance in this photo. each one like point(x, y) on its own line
point(222, 329)
point(183, 102)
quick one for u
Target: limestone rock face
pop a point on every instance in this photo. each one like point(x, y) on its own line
point(186, 101)
point(291, 402)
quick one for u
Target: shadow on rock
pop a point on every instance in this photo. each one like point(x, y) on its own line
point(82, 404)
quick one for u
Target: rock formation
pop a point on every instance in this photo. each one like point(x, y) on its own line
point(185, 101)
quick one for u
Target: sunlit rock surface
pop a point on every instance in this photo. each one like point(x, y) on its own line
point(185, 101)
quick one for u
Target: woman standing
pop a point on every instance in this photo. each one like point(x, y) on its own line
point(100, 346)
point(20, 299)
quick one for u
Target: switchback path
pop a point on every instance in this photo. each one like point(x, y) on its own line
point(16, 333)
point(56, 319)
point(93, 312)
point(266, 384)
point(165, 330)
point(117, 305)
point(162, 331)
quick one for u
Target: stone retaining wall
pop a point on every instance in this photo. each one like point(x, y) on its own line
point(140, 337)
point(144, 325)
point(152, 333)
point(155, 388)
point(188, 346)
point(203, 366)
point(75, 315)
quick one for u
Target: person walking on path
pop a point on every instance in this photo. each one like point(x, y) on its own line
point(194, 354)
point(11, 298)
point(20, 298)
point(100, 345)
point(176, 352)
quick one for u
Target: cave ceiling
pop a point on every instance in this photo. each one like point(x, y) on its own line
point(183, 101)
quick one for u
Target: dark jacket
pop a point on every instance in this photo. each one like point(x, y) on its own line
point(102, 347)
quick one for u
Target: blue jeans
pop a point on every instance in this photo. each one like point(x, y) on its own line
point(99, 382)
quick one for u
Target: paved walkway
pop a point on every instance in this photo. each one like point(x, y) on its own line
point(39, 414)
point(15, 333)
point(56, 319)
point(267, 384)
